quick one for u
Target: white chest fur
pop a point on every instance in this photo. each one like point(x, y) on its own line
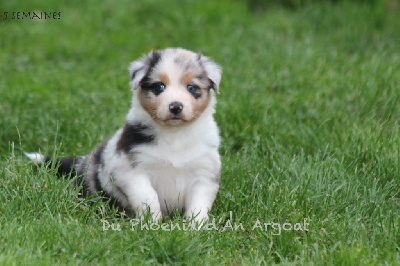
point(178, 160)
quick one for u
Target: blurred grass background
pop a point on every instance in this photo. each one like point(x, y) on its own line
point(308, 112)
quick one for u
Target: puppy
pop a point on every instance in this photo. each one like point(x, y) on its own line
point(166, 156)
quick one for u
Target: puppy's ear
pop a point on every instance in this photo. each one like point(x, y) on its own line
point(137, 70)
point(213, 70)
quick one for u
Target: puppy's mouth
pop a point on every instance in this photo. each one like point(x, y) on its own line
point(175, 117)
point(173, 121)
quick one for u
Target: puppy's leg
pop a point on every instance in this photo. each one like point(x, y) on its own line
point(199, 200)
point(141, 195)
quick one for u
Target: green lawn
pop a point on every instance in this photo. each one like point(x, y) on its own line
point(309, 116)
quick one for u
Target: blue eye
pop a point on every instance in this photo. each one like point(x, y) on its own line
point(160, 87)
point(191, 88)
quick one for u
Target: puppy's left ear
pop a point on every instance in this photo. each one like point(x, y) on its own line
point(213, 70)
point(137, 70)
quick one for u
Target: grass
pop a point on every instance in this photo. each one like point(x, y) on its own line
point(308, 112)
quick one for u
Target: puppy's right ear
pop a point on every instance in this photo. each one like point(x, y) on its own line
point(137, 70)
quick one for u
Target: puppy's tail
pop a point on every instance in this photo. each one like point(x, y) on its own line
point(65, 165)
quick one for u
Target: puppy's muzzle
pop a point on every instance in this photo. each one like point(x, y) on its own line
point(175, 107)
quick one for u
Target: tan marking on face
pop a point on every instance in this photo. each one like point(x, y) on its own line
point(164, 78)
point(149, 104)
point(187, 78)
point(200, 104)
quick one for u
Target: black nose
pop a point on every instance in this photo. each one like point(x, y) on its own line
point(175, 108)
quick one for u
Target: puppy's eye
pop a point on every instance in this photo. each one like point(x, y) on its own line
point(160, 87)
point(157, 88)
point(194, 90)
point(191, 88)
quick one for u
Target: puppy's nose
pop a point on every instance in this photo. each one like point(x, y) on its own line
point(175, 107)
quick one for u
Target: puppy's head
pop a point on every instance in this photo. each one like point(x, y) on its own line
point(175, 85)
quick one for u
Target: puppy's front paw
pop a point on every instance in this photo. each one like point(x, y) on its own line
point(197, 220)
point(156, 217)
point(152, 216)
